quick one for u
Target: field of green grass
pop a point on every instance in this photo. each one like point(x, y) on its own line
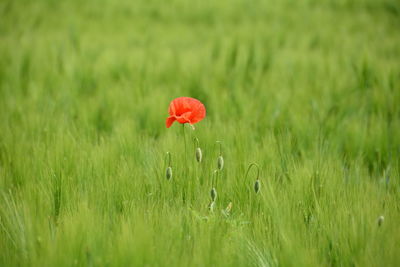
point(309, 90)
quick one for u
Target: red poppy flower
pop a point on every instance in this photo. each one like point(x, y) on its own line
point(185, 110)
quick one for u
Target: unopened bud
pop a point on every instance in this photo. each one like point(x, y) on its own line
point(168, 173)
point(199, 155)
point(213, 194)
point(220, 163)
point(380, 220)
point(257, 186)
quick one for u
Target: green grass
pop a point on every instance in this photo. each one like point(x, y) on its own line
point(309, 90)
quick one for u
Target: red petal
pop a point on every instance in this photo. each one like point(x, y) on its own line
point(169, 121)
point(184, 118)
point(198, 113)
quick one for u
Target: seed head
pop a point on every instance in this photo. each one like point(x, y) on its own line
point(380, 220)
point(213, 194)
point(257, 186)
point(168, 173)
point(220, 163)
point(199, 155)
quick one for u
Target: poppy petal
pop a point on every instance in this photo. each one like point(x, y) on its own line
point(172, 109)
point(179, 106)
point(169, 121)
point(198, 114)
point(184, 118)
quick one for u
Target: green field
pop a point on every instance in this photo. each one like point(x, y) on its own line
point(309, 90)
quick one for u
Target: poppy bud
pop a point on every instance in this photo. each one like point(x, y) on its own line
point(168, 173)
point(220, 163)
point(257, 186)
point(213, 194)
point(199, 155)
point(380, 220)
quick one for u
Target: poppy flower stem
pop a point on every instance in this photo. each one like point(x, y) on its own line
point(184, 137)
point(184, 141)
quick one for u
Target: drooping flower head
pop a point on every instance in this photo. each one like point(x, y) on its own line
point(185, 110)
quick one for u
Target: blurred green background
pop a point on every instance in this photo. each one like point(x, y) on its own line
point(310, 90)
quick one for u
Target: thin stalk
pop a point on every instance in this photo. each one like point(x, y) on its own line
point(184, 140)
point(220, 147)
point(248, 170)
point(214, 179)
point(196, 142)
point(168, 155)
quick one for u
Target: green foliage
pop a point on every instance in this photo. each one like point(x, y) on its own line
point(309, 90)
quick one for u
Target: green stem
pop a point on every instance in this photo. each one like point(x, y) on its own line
point(196, 142)
point(168, 156)
point(248, 170)
point(214, 178)
point(220, 147)
point(184, 140)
